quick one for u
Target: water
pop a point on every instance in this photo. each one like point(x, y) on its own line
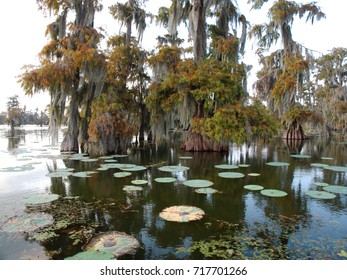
point(251, 225)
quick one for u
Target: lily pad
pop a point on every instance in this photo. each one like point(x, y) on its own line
point(321, 184)
point(40, 198)
point(134, 168)
point(117, 165)
point(185, 157)
point(173, 168)
point(206, 191)
point(244, 165)
point(253, 174)
point(27, 223)
point(106, 157)
point(320, 194)
point(84, 174)
point(130, 188)
point(300, 156)
point(253, 187)
point(110, 160)
point(226, 166)
point(139, 182)
point(91, 255)
point(115, 243)
point(59, 174)
point(165, 180)
point(22, 168)
point(89, 160)
point(198, 183)
point(327, 158)
point(342, 253)
point(336, 168)
point(122, 174)
point(182, 214)
point(231, 175)
point(277, 163)
point(273, 193)
point(336, 189)
point(317, 164)
point(120, 156)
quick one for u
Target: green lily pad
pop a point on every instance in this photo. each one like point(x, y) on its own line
point(65, 169)
point(40, 198)
point(342, 253)
point(106, 157)
point(165, 180)
point(59, 174)
point(120, 156)
point(139, 182)
point(91, 255)
point(226, 166)
point(317, 164)
point(336, 168)
point(253, 187)
point(277, 163)
point(134, 168)
point(185, 157)
point(115, 243)
point(300, 156)
point(320, 194)
point(273, 193)
point(22, 168)
point(336, 189)
point(321, 184)
point(253, 174)
point(84, 174)
point(198, 183)
point(27, 223)
point(327, 158)
point(173, 168)
point(231, 175)
point(117, 165)
point(244, 165)
point(182, 214)
point(206, 191)
point(110, 160)
point(122, 174)
point(130, 188)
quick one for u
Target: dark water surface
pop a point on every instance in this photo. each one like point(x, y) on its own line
point(295, 226)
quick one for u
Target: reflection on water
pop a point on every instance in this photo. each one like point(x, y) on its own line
point(299, 226)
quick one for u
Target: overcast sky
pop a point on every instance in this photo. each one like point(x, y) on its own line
point(23, 28)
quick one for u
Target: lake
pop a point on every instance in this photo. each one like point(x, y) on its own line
point(238, 222)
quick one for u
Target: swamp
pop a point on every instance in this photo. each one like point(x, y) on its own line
point(258, 201)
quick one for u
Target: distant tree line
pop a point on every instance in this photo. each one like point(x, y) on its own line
point(17, 116)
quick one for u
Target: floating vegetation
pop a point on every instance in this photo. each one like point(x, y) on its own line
point(273, 193)
point(182, 214)
point(27, 223)
point(336, 189)
point(139, 182)
point(321, 184)
point(253, 187)
point(336, 168)
point(300, 156)
point(134, 168)
point(84, 174)
point(59, 174)
point(320, 194)
point(40, 198)
point(206, 191)
point(130, 188)
point(253, 174)
point(342, 253)
point(277, 163)
point(91, 255)
point(122, 174)
point(117, 165)
point(173, 168)
point(120, 156)
point(231, 175)
point(198, 183)
point(244, 165)
point(185, 157)
point(317, 164)
point(22, 168)
point(111, 160)
point(327, 158)
point(165, 180)
point(115, 243)
point(226, 166)
point(64, 169)
point(106, 157)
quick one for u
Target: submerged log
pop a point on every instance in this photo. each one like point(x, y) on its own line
point(200, 143)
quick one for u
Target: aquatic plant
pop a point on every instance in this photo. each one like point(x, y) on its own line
point(182, 214)
point(206, 191)
point(253, 187)
point(165, 180)
point(40, 198)
point(320, 194)
point(28, 222)
point(273, 193)
point(198, 183)
point(336, 189)
point(231, 175)
point(173, 168)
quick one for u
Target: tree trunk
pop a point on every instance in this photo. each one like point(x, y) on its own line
point(70, 141)
point(294, 132)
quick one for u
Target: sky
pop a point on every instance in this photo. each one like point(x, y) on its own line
point(23, 29)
